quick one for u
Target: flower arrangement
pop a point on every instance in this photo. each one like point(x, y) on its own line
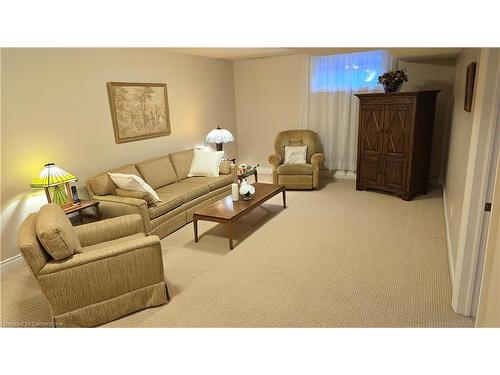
point(393, 80)
point(245, 170)
point(246, 190)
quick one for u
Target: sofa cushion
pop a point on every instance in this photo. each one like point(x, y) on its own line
point(169, 201)
point(188, 191)
point(55, 232)
point(103, 184)
point(116, 242)
point(157, 172)
point(182, 162)
point(212, 182)
point(295, 169)
point(150, 200)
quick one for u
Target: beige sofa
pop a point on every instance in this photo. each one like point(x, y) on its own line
point(167, 175)
point(93, 273)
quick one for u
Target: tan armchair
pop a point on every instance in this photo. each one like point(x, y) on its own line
point(297, 176)
point(105, 270)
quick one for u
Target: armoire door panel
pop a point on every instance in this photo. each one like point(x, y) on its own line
point(394, 175)
point(371, 130)
point(370, 171)
point(397, 130)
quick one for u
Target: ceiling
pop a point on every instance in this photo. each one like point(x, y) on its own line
point(253, 53)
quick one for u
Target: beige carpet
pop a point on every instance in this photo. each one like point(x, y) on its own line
point(334, 258)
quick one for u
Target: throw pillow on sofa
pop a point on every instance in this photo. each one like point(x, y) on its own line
point(205, 163)
point(55, 232)
point(295, 154)
point(133, 182)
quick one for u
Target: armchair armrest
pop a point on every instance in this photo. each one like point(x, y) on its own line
point(110, 229)
point(95, 276)
point(274, 160)
point(88, 257)
point(317, 160)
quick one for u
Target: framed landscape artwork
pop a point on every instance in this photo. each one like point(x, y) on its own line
point(139, 110)
point(469, 86)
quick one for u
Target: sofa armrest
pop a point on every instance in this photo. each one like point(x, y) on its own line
point(114, 206)
point(234, 172)
point(274, 160)
point(317, 160)
point(96, 276)
point(110, 229)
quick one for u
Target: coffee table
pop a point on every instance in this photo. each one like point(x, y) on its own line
point(225, 211)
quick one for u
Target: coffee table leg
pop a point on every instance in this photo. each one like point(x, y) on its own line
point(284, 198)
point(230, 234)
point(195, 225)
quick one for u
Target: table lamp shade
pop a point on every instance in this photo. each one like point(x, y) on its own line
point(53, 176)
point(219, 136)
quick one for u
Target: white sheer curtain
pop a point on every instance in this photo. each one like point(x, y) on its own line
point(331, 109)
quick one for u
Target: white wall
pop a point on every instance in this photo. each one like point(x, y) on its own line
point(458, 151)
point(55, 109)
point(269, 94)
point(436, 74)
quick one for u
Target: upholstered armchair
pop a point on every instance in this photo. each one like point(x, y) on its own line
point(93, 273)
point(297, 176)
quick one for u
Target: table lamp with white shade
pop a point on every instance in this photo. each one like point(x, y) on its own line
point(53, 177)
point(219, 136)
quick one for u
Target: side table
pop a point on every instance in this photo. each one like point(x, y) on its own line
point(82, 205)
point(248, 174)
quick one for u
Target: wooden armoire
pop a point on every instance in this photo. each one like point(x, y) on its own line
point(394, 142)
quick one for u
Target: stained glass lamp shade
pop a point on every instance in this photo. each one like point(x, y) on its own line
point(53, 177)
point(219, 136)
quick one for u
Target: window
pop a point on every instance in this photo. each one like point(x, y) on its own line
point(348, 72)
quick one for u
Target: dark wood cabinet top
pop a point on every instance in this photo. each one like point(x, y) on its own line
point(409, 93)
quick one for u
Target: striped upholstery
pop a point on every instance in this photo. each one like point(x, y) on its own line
point(55, 232)
point(157, 172)
point(117, 272)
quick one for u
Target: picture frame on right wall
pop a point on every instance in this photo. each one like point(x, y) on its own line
point(469, 86)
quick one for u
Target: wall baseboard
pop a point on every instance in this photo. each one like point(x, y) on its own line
point(346, 175)
point(265, 170)
point(451, 265)
point(322, 173)
point(11, 263)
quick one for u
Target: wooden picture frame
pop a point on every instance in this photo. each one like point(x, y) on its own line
point(469, 86)
point(138, 110)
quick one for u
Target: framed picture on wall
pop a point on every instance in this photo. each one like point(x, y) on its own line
point(138, 110)
point(469, 86)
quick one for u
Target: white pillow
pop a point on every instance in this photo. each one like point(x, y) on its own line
point(133, 182)
point(205, 163)
point(295, 154)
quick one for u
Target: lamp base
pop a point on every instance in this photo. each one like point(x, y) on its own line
point(63, 199)
point(59, 196)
